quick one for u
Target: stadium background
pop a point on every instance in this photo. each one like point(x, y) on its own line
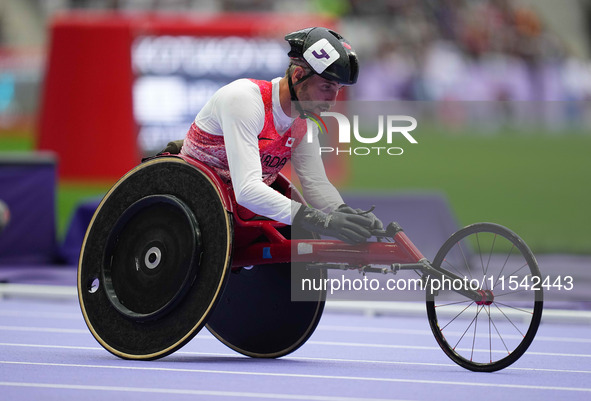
point(506, 83)
point(500, 89)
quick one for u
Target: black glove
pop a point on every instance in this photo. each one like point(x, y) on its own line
point(376, 223)
point(351, 228)
point(173, 147)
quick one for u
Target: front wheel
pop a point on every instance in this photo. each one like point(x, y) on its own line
point(492, 333)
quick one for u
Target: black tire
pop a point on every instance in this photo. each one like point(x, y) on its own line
point(257, 316)
point(493, 333)
point(144, 291)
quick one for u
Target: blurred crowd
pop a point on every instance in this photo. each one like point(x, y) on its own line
point(425, 50)
point(486, 50)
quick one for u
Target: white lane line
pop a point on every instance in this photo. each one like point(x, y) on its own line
point(78, 347)
point(372, 362)
point(42, 315)
point(44, 329)
point(371, 308)
point(421, 347)
point(338, 328)
point(379, 330)
point(172, 391)
point(306, 376)
point(310, 342)
point(385, 330)
point(36, 291)
point(298, 358)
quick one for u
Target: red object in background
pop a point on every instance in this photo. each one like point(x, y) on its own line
point(87, 105)
point(86, 110)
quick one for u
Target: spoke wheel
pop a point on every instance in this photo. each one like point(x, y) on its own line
point(492, 333)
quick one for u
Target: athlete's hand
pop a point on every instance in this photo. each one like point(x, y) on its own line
point(376, 223)
point(351, 228)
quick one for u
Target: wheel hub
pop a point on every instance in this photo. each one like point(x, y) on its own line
point(487, 297)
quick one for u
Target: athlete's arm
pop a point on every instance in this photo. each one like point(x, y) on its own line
point(317, 189)
point(241, 116)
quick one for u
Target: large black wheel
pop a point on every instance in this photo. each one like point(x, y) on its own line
point(258, 317)
point(494, 332)
point(154, 260)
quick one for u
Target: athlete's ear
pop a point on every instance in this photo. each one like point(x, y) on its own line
point(297, 74)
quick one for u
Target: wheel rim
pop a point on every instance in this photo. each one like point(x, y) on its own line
point(157, 336)
point(493, 332)
point(151, 257)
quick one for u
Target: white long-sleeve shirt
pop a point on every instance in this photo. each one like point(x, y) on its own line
point(236, 111)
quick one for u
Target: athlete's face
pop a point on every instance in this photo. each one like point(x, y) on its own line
point(319, 94)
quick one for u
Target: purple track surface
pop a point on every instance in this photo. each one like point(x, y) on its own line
point(47, 353)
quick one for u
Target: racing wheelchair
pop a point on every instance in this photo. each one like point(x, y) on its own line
point(168, 251)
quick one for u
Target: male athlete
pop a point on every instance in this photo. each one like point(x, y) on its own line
point(249, 129)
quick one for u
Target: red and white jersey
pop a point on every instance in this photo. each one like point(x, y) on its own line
point(243, 133)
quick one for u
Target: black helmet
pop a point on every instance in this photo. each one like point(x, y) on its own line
point(326, 52)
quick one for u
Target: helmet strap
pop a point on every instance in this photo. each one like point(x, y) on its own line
point(294, 97)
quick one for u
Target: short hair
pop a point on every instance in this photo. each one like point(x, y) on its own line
point(293, 63)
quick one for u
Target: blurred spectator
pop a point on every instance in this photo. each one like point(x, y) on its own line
point(470, 50)
point(426, 50)
point(246, 5)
